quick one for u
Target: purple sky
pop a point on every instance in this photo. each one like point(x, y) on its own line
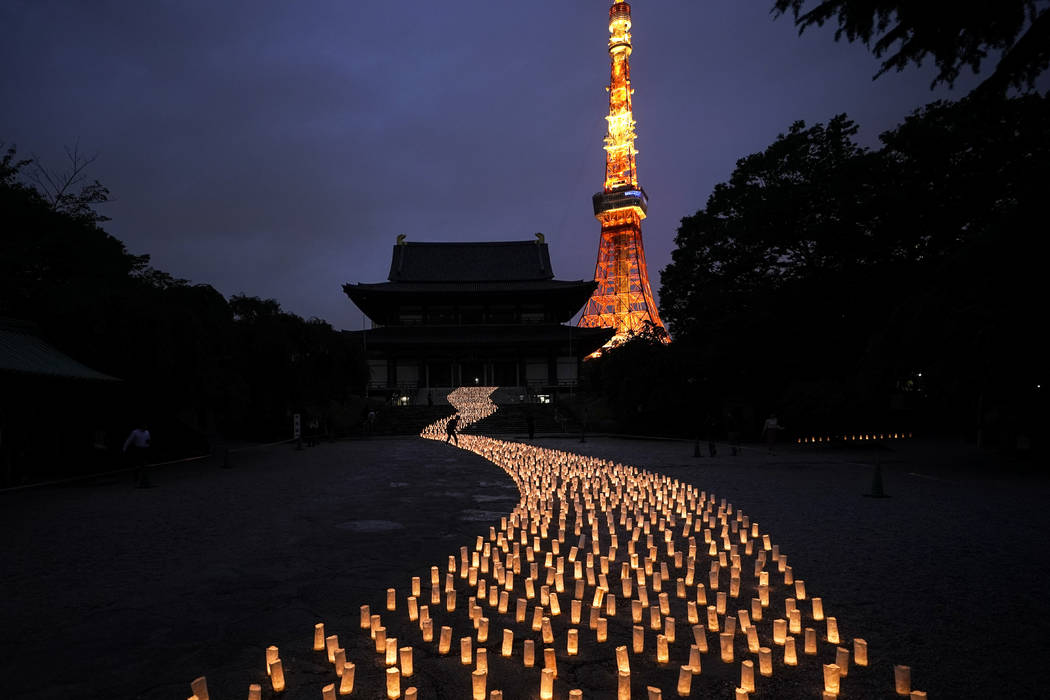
point(278, 148)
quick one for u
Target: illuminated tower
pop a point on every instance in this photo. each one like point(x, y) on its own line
point(623, 299)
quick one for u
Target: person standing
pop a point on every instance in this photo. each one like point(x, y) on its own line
point(137, 448)
point(769, 431)
point(450, 429)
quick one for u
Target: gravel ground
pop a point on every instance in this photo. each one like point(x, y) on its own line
point(115, 592)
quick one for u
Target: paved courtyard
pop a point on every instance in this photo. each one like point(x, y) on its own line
point(111, 591)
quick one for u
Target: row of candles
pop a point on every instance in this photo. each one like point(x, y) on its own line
point(852, 438)
point(660, 520)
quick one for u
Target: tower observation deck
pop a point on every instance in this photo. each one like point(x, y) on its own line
point(623, 299)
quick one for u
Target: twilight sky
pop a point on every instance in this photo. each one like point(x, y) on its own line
point(278, 148)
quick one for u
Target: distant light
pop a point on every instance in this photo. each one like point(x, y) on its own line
point(920, 374)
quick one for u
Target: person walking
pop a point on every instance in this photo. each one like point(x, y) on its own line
point(769, 432)
point(137, 447)
point(450, 430)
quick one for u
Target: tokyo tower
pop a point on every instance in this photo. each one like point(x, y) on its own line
point(623, 299)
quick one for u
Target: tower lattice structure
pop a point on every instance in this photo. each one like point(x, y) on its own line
point(623, 299)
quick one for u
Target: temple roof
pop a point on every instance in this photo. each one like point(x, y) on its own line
point(585, 340)
point(500, 261)
point(23, 352)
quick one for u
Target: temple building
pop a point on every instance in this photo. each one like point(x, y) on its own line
point(461, 314)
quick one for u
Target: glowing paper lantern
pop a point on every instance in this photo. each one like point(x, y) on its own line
point(391, 651)
point(842, 661)
point(575, 609)
point(272, 655)
point(328, 692)
point(726, 640)
point(661, 649)
point(450, 600)
point(833, 630)
point(779, 631)
point(790, 655)
point(810, 646)
point(902, 679)
point(199, 686)
point(765, 661)
point(800, 589)
point(547, 631)
point(740, 694)
point(346, 680)
point(277, 676)
point(818, 609)
point(747, 675)
point(254, 692)
point(831, 679)
point(479, 681)
point(623, 663)
point(576, 694)
point(638, 639)
point(529, 654)
point(413, 608)
point(331, 643)
point(445, 640)
point(653, 693)
point(623, 685)
point(572, 642)
point(860, 652)
point(428, 630)
point(700, 638)
point(685, 681)
point(546, 684)
point(319, 636)
point(466, 651)
point(602, 632)
point(380, 639)
point(406, 661)
point(391, 599)
point(918, 695)
point(393, 683)
point(508, 643)
point(340, 659)
point(483, 630)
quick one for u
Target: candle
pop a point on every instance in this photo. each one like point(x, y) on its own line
point(445, 640)
point(406, 662)
point(831, 678)
point(726, 640)
point(331, 643)
point(391, 651)
point(623, 664)
point(818, 609)
point(638, 639)
point(685, 681)
point(277, 676)
point(413, 608)
point(747, 675)
point(902, 679)
point(346, 680)
point(661, 649)
point(810, 646)
point(466, 651)
point(779, 631)
point(391, 599)
point(393, 683)
point(623, 685)
point(603, 629)
point(328, 692)
point(428, 630)
point(833, 631)
point(319, 636)
point(380, 639)
point(800, 589)
point(479, 680)
point(199, 686)
point(254, 692)
point(572, 643)
point(860, 652)
point(271, 656)
point(340, 659)
point(546, 684)
point(483, 630)
point(529, 657)
point(508, 643)
point(653, 693)
point(752, 639)
point(842, 661)
point(550, 661)
point(700, 637)
point(765, 661)
point(790, 656)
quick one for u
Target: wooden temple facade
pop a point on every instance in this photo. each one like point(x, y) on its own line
point(461, 314)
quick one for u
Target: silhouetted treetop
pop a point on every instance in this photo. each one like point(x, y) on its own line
point(956, 33)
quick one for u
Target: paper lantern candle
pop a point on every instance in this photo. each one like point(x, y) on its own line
point(529, 654)
point(346, 680)
point(833, 631)
point(393, 683)
point(765, 661)
point(842, 661)
point(466, 651)
point(726, 640)
point(902, 679)
point(391, 651)
point(602, 631)
point(779, 631)
point(445, 640)
point(623, 685)
point(328, 692)
point(790, 655)
point(428, 630)
point(860, 652)
point(747, 675)
point(319, 636)
point(272, 655)
point(479, 681)
point(831, 679)
point(550, 661)
point(199, 686)
point(546, 684)
point(508, 643)
point(685, 681)
point(572, 642)
point(638, 639)
point(810, 646)
point(818, 609)
point(380, 639)
point(391, 599)
point(277, 676)
point(254, 692)
point(623, 663)
point(340, 659)
point(661, 649)
point(406, 661)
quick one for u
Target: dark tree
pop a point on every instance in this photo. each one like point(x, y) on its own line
point(955, 33)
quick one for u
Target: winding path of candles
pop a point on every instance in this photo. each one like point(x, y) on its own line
point(653, 581)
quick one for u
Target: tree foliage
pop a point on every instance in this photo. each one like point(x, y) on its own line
point(822, 277)
point(183, 350)
point(955, 34)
